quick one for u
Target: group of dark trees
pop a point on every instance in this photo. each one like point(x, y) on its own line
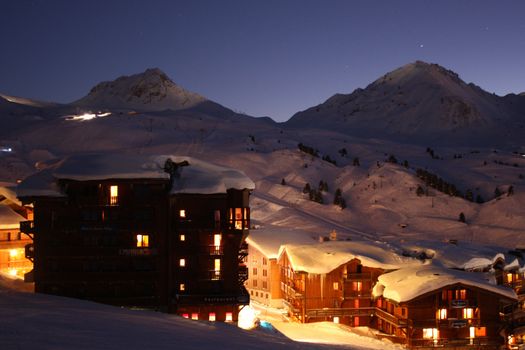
point(434, 181)
point(316, 195)
point(392, 159)
point(315, 153)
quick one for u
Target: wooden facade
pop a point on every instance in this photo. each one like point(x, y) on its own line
point(515, 314)
point(343, 295)
point(457, 316)
point(13, 242)
point(132, 242)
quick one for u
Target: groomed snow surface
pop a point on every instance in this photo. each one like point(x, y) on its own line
point(38, 321)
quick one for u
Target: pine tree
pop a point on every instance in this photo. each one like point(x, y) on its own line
point(283, 183)
point(420, 191)
point(355, 162)
point(497, 192)
point(479, 199)
point(307, 188)
point(343, 203)
point(338, 197)
point(510, 191)
point(469, 195)
point(462, 217)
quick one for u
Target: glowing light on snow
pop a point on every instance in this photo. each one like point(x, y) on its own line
point(247, 318)
point(86, 116)
point(14, 253)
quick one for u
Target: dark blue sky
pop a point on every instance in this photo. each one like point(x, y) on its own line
point(267, 57)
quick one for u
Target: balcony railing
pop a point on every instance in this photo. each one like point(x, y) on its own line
point(27, 227)
point(213, 250)
point(363, 276)
point(476, 343)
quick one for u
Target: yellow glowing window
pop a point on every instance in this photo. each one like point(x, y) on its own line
point(142, 240)
point(217, 269)
point(194, 316)
point(182, 262)
point(430, 333)
point(356, 303)
point(336, 285)
point(217, 240)
point(182, 237)
point(182, 213)
point(238, 218)
point(480, 331)
point(113, 195)
point(182, 287)
point(358, 286)
point(468, 313)
point(509, 277)
point(442, 314)
point(16, 253)
point(211, 316)
point(461, 294)
point(229, 317)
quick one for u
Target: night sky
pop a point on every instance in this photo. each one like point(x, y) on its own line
point(263, 58)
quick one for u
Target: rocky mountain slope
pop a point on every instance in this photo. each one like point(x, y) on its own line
point(151, 90)
point(420, 101)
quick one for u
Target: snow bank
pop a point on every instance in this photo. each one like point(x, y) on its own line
point(408, 283)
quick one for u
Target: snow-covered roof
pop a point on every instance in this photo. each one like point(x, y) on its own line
point(9, 219)
point(411, 282)
point(8, 190)
point(460, 255)
point(321, 258)
point(196, 177)
point(269, 239)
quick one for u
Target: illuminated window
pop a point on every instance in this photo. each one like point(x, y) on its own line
point(254, 271)
point(182, 287)
point(442, 314)
point(461, 294)
point(142, 240)
point(186, 315)
point(217, 269)
point(509, 277)
point(358, 286)
point(182, 262)
point(194, 316)
point(468, 313)
point(238, 218)
point(113, 195)
point(356, 321)
point(480, 331)
point(217, 241)
point(229, 317)
point(336, 319)
point(336, 285)
point(211, 316)
point(182, 213)
point(182, 237)
point(356, 303)
point(430, 333)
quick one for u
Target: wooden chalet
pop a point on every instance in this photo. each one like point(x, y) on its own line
point(333, 281)
point(429, 307)
point(12, 241)
point(162, 232)
point(514, 277)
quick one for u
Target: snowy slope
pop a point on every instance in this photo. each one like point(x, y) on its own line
point(419, 101)
point(381, 197)
point(151, 90)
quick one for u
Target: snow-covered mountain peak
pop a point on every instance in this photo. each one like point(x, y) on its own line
point(151, 90)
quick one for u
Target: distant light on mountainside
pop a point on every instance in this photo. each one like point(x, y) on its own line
point(86, 116)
